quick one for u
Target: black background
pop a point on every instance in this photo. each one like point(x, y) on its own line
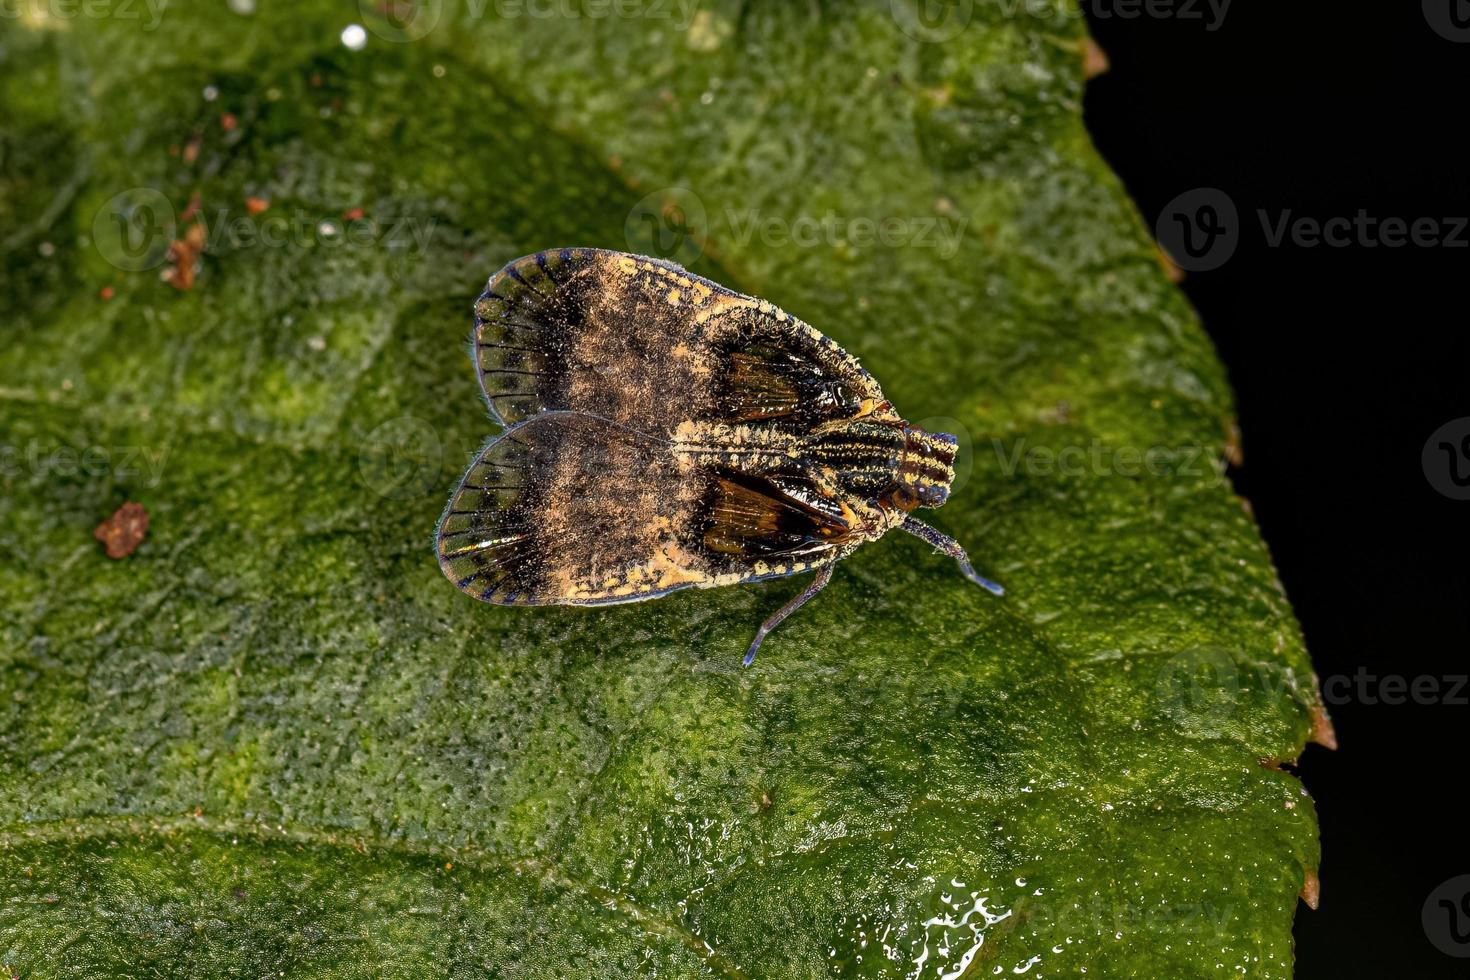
point(1344, 361)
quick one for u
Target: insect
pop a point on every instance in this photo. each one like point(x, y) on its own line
point(663, 433)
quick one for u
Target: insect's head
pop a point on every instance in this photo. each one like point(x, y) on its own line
point(925, 471)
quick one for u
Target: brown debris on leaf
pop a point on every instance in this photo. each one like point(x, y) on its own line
point(1311, 892)
point(1094, 59)
point(183, 257)
point(124, 530)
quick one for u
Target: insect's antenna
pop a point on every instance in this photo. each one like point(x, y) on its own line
point(565, 413)
point(949, 546)
point(818, 583)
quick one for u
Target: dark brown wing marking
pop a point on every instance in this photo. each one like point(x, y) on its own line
point(754, 517)
point(756, 389)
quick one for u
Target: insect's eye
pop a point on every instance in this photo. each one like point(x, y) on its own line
point(842, 395)
point(934, 496)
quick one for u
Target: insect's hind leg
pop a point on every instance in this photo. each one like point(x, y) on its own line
point(951, 547)
point(818, 584)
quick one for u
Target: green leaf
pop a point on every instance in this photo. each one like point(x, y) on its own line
point(274, 740)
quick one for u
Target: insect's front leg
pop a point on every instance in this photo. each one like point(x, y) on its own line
point(818, 584)
point(949, 546)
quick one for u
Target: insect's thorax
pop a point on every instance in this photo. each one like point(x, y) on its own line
point(873, 470)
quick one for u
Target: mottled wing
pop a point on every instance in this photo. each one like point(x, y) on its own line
point(646, 343)
point(571, 508)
